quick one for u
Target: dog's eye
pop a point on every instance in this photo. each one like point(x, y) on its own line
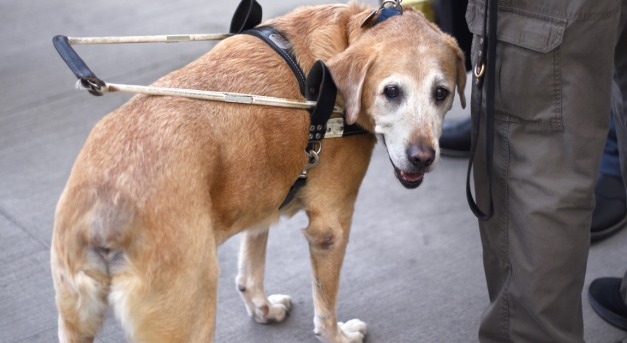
point(440, 94)
point(391, 91)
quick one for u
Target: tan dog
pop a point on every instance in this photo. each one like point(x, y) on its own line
point(161, 182)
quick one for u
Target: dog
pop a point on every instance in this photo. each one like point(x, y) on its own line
point(162, 181)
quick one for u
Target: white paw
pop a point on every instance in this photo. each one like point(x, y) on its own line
point(278, 308)
point(280, 299)
point(354, 330)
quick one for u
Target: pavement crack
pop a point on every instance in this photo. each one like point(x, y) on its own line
point(24, 229)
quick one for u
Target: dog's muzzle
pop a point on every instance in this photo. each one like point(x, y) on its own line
point(421, 158)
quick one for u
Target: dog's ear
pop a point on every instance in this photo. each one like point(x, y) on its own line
point(349, 70)
point(460, 69)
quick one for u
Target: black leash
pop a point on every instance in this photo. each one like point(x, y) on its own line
point(484, 69)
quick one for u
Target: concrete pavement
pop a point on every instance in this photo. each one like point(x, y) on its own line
point(413, 268)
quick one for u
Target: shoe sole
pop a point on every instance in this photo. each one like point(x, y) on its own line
point(609, 316)
point(596, 236)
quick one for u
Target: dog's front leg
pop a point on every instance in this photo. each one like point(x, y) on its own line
point(327, 245)
point(252, 260)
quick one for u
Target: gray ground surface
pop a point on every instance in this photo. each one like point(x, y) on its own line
point(413, 268)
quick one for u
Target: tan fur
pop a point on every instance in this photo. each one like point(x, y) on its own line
point(161, 182)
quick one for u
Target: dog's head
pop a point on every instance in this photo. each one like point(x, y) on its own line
point(398, 80)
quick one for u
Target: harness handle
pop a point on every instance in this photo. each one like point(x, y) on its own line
point(247, 15)
point(88, 79)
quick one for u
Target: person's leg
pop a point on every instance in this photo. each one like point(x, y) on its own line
point(620, 103)
point(610, 162)
point(608, 296)
point(610, 211)
point(455, 139)
point(450, 18)
point(552, 102)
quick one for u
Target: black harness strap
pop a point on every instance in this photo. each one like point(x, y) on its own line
point(283, 47)
point(320, 88)
point(485, 68)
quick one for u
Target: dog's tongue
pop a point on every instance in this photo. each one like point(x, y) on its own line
point(412, 177)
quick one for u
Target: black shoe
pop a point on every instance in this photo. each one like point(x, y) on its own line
point(455, 140)
point(605, 299)
point(610, 212)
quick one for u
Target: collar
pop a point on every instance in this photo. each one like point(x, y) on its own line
point(383, 13)
point(386, 13)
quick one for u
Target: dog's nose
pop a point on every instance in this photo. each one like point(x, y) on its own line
point(420, 155)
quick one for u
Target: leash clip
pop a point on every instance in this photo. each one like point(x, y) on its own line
point(396, 6)
point(314, 160)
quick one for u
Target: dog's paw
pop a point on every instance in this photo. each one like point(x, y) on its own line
point(276, 310)
point(354, 330)
point(280, 299)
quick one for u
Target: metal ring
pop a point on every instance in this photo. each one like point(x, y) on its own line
point(395, 3)
point(93, 86)
point(314, 160)
point(479, 72)
point(315, 146)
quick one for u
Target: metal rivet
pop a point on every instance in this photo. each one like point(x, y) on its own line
point(319, 127)
point(312, 128)
point(310, 136)
point(318, 136)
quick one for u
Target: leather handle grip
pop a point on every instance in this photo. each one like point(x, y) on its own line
point(76, 64)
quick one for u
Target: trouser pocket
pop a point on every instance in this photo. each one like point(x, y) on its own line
point(528, 72)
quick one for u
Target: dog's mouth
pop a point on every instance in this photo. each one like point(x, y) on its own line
point(409, 180)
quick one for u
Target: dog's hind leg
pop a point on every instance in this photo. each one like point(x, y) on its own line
point(82, 305)
point(81, 292)
point(252, 259)
point(167, 289)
